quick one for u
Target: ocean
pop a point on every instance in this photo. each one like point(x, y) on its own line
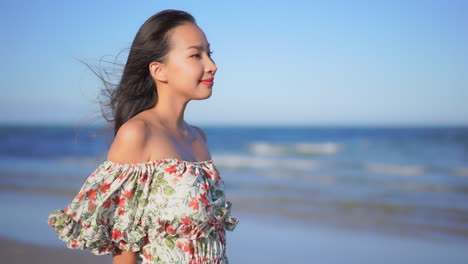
point(407, 181)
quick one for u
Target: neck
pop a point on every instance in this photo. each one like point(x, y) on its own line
point(170, 112)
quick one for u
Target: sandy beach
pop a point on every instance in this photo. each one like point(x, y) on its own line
point(258, 238)
point(19, 252)
point(272, 243)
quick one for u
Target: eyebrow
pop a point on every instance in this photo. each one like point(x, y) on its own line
point(198, 47)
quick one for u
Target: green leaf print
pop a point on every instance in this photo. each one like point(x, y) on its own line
point(160, 182)
point(168, 190)
point(160, 175)
point(138, 194)
point(219, 193)
point(61, 220)
point(169, 243)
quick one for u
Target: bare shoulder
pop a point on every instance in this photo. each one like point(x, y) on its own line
point(129, 143)
point(201, 132)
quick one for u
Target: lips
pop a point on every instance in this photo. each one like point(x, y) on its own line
point(209, 81)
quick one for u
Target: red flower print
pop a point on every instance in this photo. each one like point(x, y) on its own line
point(143, 177)
point(204, 186)
point(102, 248)
point(116, 234)
point(104, 187)
point(92, 194)
point(203, 198)
point(119, 201)
point(185, 246)
point(80, 195)
point(121, 212)
point(121, 176)
point(147, 256)
point(73, 215)
point(186, 229)
point(169, 229)
point(107, 203)
point(91, 206)
point(74, 244)
point(194, 203)
point(171, 169)
point(102, 221)
point(186, 220)
point(211, 175)
point(66, 210)
point(128, 193)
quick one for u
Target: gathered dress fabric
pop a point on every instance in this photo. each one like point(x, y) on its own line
point(167, 210)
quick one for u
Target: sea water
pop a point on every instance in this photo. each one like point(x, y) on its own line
point(410, 181)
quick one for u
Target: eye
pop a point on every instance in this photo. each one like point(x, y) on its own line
point(198, 55)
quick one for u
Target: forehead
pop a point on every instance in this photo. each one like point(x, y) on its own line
point(186, 35)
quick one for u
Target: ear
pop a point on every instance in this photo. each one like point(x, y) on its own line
point(158, 71)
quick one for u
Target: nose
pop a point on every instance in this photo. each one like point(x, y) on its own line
point(211, 66)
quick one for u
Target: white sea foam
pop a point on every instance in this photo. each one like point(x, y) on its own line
point(305, 148)
point(241, 161)
point(267, 148)
point(326, 148)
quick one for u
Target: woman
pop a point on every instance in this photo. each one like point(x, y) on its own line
point(158, 198)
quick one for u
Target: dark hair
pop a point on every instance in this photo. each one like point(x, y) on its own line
point(136, 90)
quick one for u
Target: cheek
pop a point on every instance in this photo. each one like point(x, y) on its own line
point(184, 77)
point(187, 72)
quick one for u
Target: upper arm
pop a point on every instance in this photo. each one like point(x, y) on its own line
point(128, 147)
point(202, 133)
point(129, 143)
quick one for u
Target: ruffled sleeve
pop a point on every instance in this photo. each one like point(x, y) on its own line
point(106, 215)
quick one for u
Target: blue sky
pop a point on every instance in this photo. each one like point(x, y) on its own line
point(279, 62)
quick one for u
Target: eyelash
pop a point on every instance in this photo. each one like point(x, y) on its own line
point(209, 54)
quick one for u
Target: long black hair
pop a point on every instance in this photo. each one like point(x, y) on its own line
point(136, 90)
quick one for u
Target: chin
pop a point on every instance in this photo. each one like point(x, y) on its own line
point(208, 95)
point(202, 96)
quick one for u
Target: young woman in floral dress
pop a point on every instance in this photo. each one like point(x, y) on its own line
point(158, 197)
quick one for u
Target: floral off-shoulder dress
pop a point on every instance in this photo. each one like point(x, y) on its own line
point(167, 210)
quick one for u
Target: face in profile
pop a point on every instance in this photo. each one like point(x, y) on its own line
point(188, 63)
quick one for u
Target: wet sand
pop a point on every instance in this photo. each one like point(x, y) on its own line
point(260, 237)
point(19, 252)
